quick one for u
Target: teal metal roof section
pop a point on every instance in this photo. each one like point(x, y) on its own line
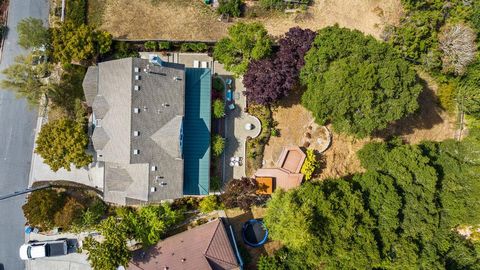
point(196, 131)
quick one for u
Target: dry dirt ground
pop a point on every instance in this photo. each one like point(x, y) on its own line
point(429, 123)
point(193, 20)
point(237, 218)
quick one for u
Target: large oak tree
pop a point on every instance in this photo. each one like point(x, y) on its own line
point(356, 82)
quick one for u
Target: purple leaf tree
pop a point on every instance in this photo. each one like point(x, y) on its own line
point(271, 79)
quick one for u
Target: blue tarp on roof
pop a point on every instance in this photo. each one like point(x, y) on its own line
point(196, 130)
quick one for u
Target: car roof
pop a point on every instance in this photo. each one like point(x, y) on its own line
point(38, 251)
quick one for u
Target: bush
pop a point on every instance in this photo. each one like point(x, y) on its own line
point(218, 108)
point(218, 85)
point(215, 183)
point(242, 193)
point(165, 45)
point(193, 47)
point(447, 95)
point(76, 11)
point(310, 164)
point(209, 204)
point(230, 7)
point(150, 45)
point(218, 145)
point(124, 49)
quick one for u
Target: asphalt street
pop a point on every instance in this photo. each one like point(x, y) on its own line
point(17, 123)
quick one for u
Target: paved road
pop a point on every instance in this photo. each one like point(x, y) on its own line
point(17, 122)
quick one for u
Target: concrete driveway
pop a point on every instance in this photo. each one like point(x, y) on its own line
point(71, 261)
point(17, 123)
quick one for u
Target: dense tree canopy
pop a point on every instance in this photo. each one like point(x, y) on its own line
point(79, 43)
point(468, 94)
point(241, 193)
point(400, 214)
point(245, 42)
point(147, 225)
point(113, 251)
point(41, 207)
point(269, 80)
point(62, 143)
point(356, 82)
point(32, 33)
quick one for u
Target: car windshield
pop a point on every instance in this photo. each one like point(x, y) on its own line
point(29, 254)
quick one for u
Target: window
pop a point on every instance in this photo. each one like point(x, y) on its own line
point(98, 122)
point(136, 151)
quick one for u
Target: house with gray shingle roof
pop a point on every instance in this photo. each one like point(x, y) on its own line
point(151, 123)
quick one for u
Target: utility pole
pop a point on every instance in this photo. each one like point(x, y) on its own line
point(28, 190)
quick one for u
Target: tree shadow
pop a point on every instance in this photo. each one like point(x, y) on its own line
point(249, 254)
point(428, 115)
point(145, 255)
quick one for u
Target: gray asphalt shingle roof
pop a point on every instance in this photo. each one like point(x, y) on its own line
point(131, 100)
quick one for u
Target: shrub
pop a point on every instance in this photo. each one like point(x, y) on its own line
point(218, 84)
point(310, 164)
point(165, 45)
point(201, 47)
point(447, 95)
point(150, 45)
point(209, 204)
point(218, 108)
point(124, 49)
point(218, 145)
point(215, 183)
point(242, 193)
point(230, 7)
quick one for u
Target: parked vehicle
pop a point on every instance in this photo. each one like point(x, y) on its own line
point(34, 250)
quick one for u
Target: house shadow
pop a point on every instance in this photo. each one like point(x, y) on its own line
point(145, 255)
point(427, 116)
point(231, 142)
